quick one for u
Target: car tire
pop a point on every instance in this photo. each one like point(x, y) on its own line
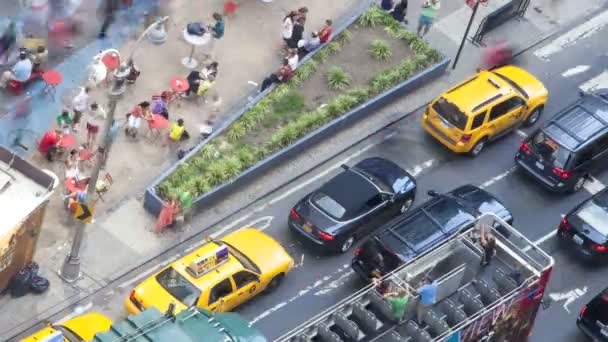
point(533, 117)
point(580, 181)
point(407, 204)
point(479, 146)
point(275, 282)
point(347, 244)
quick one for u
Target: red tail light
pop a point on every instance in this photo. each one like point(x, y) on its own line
point(294, 214)
point(465, 138)
point(357, 251)
point(565, 225)
point(583, 311)
point(524, 147)
point(599, 248)
point(561, 173)
point(325, 236)
point(135, 301)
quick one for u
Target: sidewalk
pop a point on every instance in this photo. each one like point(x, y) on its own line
point(120, 239)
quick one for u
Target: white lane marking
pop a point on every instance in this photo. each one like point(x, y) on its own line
point(300, 293)
point(417, 169)
point(598, 82)
point(335, 284)
point(547, 236)
point(569, 38)
point(568, 297)
point(493, 180)
point(79, 310)
point(576, 70)
point(593, 185)
point(521, 133)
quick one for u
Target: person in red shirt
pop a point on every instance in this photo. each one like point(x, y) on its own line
point(49, 143)
point(325, 34)
point(284, 74)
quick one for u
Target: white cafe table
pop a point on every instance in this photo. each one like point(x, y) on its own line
point(194, 40)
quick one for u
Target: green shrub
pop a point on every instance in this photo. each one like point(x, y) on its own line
point(233, 166)
point(246, 155)
point(380, 50)
point(332, 48)
point(359, 93)
point(321, 55)
point(381, 82)
point(201, 186)
point(237, 131)
point(407, 68)
point(209, 151)
point(289, 101)
point(304, 71)
point(344, 37)
point(216, 172)
point(337, 78)
point(373, 17)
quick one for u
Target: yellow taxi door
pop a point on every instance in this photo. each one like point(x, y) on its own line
point(220, 298)
point(505, 116)
point(247, 286)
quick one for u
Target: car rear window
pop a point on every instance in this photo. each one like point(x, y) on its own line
point(595, 214)
point(449, 214)
point(549, 149)
point(328, 205)
point(178, 286)
point(451, 113)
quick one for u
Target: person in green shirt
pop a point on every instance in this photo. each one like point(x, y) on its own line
point(64, 121)
point(398, 301)
point(185, 201)
point(427, 16)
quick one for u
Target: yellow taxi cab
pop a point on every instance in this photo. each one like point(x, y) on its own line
point(485, 107)
point(219, 276)
point(79, 329)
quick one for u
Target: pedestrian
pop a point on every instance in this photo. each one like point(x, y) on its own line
point(288, 23)
point(185, 204)
point(428, 297)
point(79, 105)
point(161, 105)
point(302, 12)
point(21, 71)
point(142, 110)
point(427, 16)
point(97, 117)
point(64, 121)
point(284, 74)
point(400, 11)
point(305, 46)
point(326, 31)
point(8, 40)
point(108, 10)
point(133, 71)
point(488, 244)
point(297, 34)
point(72, 162)
point(292, 58)
point(387, 5)
point(49, 144)
point(381, 285)
point(398, 301)
point(214, 111)
point(178, 132)
point(40, 59)
point(217, 32)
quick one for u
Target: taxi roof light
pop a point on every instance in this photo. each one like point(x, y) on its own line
point(209, 262)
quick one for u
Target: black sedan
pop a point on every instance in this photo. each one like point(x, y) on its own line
point(352, 204)
point(593, 318)
point(586, 227)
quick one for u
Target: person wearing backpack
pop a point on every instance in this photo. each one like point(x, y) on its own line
point(217, 32)
point(284, 74)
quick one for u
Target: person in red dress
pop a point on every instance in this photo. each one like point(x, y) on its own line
point(325, 33)
point(49, 143)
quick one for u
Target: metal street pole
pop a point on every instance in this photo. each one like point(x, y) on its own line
point(70, 271)
point(466, 33)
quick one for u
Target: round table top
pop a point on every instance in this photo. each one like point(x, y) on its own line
point(111, 60)
point(52, 77)
point(197, 40)
point(179, 84)
point(159, 121)
point(67, 141)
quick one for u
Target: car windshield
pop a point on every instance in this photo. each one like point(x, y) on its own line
point(328, 205)
point(595, 214)
point(242, 258)
point(451, 113)
point(178, 286)
point(550, 150)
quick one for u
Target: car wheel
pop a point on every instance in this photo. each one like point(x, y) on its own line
point(579, 184)
point(533, 117)
point(275, 282)
point(347, 244)
point(476, 150)
point(406, 205)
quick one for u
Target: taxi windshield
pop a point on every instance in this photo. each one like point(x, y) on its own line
point(242, 258)
point(178, 286)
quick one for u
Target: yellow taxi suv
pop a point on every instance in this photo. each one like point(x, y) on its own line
point(219, 276)
point(80, 329)
point(484, 108)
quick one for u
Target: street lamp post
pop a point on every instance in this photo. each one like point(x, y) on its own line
point(70, 271)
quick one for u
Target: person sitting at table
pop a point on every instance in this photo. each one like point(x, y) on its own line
point(21, 71)
point(161, 105)
point(178, 131)
point(72, 163)
point(40, 58)
point(140, 111)
point(49, 144)
point(73, 199)
point(284, 74)
point(306, 46)
point(64, 121)
point(96, 118)
point(209, 72)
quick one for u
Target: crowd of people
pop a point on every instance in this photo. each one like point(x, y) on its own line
point(428, 13)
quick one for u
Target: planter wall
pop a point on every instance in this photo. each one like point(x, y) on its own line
point(153, 203)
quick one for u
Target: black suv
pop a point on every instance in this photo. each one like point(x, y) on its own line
point(586, 226)
point(407, 236)
point(593, 318)
point(574, 143)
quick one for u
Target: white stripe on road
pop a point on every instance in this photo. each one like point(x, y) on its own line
point(587, 29)
point(598, 82)
point(576, 70)
point(493, 180)
point(418, 169)
point(593, 185)
point(521, 133)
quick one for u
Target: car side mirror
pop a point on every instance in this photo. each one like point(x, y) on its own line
point(344, 166)
point(432, 193)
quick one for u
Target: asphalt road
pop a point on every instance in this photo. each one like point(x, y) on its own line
point(321, 280)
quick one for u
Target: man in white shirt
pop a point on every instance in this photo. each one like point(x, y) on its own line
point(292, 58)
point(21, 71)
point(79, 106)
